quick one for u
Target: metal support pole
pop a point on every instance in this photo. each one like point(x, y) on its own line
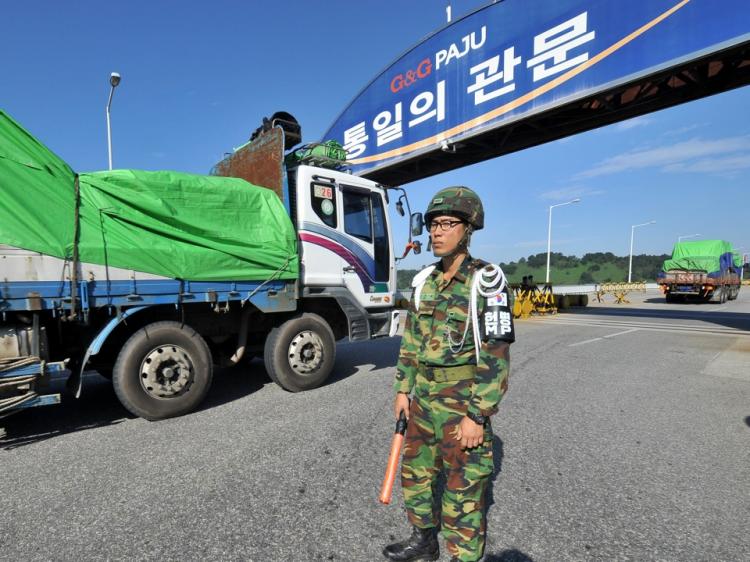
point(549, 243)
point(549, 233)
point(632, 231)
point(630, 263)
point(109, 128)
point(114, 80)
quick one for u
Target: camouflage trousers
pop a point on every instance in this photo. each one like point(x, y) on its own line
point(431, 446)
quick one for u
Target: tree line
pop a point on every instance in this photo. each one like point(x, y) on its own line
point(594, 267)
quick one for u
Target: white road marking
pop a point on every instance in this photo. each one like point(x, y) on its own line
point(656, 326)
point(715, 356)
point(604, 337)
point(584, 342)
point(621, 333)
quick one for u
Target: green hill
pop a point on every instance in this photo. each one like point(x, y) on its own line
point(599, 267)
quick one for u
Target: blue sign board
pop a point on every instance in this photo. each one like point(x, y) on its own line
point(516, 58)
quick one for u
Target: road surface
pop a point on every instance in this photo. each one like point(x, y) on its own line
point(625, 436)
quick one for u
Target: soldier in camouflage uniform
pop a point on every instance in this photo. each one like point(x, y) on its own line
point(454, 394)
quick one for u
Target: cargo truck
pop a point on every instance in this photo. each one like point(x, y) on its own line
point(706, 270)
point(151, 278)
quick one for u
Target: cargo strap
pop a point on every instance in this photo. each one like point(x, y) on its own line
point(448, 374)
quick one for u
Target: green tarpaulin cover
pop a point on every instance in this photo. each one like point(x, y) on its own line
point(700, 255)
point(184, 226)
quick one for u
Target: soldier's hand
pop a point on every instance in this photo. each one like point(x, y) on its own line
point(469, 433)
point(401, 404)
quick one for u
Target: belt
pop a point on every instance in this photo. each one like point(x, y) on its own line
point(447, 374)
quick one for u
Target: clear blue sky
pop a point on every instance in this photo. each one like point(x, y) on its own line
point(199, 76)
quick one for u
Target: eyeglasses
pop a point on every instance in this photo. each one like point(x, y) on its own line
point(445, 226)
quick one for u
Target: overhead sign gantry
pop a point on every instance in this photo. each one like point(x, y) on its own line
point(515, 74)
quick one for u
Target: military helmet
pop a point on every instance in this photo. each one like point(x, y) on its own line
point(459, 201)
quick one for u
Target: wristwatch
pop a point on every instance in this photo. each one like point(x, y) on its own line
point(477, 418)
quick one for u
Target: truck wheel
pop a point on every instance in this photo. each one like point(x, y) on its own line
point(299, 354)
point(163, 370)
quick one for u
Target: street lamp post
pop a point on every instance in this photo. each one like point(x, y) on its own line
point(114, 80)
point(679, 238)
point(632, 231)
point(549, 232)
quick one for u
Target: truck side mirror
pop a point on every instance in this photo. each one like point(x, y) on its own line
point(416, 223)
point(417, 247)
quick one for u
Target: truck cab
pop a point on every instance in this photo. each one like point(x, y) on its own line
point(344, 234)
point(342, 224)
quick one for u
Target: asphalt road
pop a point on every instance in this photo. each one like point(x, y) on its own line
point(625, 436)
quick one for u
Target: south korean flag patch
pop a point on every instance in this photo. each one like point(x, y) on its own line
point(501, 299)
point(496, 319)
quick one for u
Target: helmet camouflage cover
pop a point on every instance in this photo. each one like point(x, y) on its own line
point(459, 201)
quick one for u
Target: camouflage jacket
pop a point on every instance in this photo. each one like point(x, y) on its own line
point(432, 332)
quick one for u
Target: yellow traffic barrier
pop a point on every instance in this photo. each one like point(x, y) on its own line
point(544, 300)
point(523, 304)
point(530, 299)
point(619, 291)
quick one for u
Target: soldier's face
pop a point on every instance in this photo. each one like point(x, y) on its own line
point(444, 242)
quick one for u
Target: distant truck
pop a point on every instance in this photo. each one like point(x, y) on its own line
point(151, 278)
point(706, 270)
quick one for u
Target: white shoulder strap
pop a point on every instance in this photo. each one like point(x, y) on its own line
point(418, 282)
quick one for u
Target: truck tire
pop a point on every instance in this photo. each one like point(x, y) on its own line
point(299, 354)
point(163, 370)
